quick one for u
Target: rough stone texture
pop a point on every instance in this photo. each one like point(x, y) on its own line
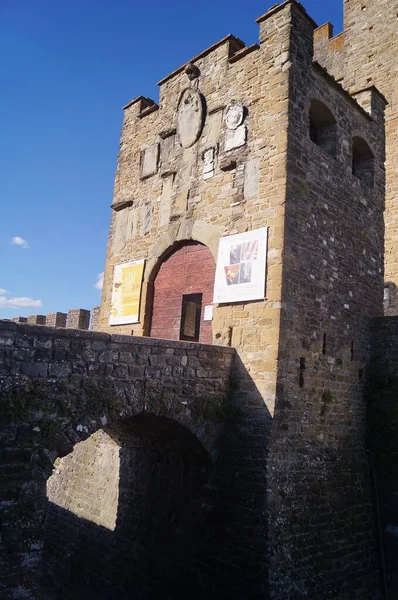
point(203, 210)
point(275, 502)
point(362, 56)
point(95, 315)
point(78, 319)
point(59, 386)
point(382, 394)
point(36, 320)
point(332, 284)
point(303, 350)
point(56, 319)
point(19, 320)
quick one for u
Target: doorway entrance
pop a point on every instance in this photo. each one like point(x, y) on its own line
point(183, 288)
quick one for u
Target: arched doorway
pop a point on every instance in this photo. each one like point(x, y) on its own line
point(183, 288)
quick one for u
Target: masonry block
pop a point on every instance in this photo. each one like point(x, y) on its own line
point(78, 318)
point(56, 319)
point(36, 320)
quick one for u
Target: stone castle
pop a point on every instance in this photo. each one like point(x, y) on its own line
point(230, 429)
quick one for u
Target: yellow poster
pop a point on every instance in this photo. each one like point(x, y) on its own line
point(126, 293)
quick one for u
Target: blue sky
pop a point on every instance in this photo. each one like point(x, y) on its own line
point(66, 69)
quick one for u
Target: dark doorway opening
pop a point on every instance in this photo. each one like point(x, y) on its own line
point(190, 317)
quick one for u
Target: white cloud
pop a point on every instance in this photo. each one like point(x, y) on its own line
point(100, 281)
point(19, 241)
point(19, 302)
point(3, 292)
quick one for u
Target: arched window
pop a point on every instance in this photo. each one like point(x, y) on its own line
point(362, 161)
point(323, 128)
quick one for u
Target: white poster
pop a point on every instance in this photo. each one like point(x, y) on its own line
point(241, 267)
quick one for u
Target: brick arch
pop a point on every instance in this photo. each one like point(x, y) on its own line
point(188, 268)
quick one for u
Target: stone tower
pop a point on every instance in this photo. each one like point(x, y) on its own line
point(364, 55)
point(246, 140)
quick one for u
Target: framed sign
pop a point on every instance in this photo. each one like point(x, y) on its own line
point(126, 293)
point(241, 267)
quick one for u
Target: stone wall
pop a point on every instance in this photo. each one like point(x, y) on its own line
point(362, 56)
point(77, 318)
point(332, 284)
point(382, 396)
point(223, 184)
point(303, 351)
point(57, 387)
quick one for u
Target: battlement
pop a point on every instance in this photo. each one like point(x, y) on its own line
point(230, 49)
point(78, 318)
point(329, 50)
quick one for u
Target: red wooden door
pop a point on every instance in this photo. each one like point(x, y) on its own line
point(190, 269)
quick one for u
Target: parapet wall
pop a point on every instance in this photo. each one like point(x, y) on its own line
point(77, 318)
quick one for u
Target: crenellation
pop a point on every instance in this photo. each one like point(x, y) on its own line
point(36, 320)
point(56, 319)
point(78, 318)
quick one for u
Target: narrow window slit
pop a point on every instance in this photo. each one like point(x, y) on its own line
point(302, 369)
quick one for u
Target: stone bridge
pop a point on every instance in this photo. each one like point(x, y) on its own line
point(143, 490)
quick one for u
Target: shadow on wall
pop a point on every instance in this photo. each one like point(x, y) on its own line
point(141, 509)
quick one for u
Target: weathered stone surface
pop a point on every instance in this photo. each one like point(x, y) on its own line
point(78, 318)
point(235, 138)
point(190, 117)
point(252, 177)
point(165, 201)
point(360, 57)
point(302, 352)
point(146, 219)
point(56, 319)
point(149, 161)
point(37, 319)
point(234, 115)
point(91, 381)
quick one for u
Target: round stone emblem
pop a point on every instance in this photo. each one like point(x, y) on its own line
point(234, 114)
point(190, 117)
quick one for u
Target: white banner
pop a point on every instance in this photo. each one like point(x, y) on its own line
point(241, 267)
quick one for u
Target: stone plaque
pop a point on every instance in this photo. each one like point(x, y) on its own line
point(167, 149)
point(190, 117)
point(251, 178)
point(213, 127)
point(119, 240)
point(132, 224)
point(149, 161)
point(181, 203)
point(234, 115)
point(235, 138)
point(165, 201)
point(146, 222)
point(208, 163)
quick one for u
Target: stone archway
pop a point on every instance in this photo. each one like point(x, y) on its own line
point(182, 288)
point(127, 513)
